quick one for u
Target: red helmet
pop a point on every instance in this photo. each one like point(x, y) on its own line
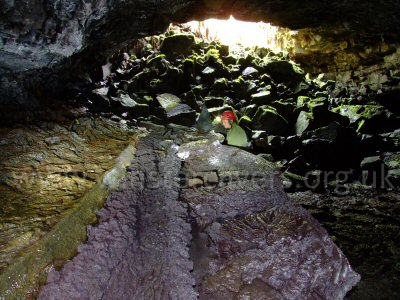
point(228, 115)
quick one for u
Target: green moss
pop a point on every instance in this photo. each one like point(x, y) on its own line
point(156, 59)
point(245, 122)
point(356, 112)
point(213, 57)
point(302, 100)
point(24, 274)
point(148, 99)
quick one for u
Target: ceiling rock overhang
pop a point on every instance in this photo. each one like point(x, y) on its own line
point(43, 38)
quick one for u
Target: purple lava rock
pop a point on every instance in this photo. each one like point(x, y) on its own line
point(232, 235)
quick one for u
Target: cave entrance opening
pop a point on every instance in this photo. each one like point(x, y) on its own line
point(240, 37)
point(238, 34)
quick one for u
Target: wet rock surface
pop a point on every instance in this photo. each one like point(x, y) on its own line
point(140, 248)
point(326, 132)
point(365, 225)
point(45, 171)
point(178, 228)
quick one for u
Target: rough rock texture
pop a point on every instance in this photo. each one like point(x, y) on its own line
point(249, 240)
point(324, 50)
point(140, 249)
point(43, 35)
point(250, 232)
point(45, 169)
point(365, 224)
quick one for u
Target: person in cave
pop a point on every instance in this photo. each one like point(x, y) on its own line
point(236, 136)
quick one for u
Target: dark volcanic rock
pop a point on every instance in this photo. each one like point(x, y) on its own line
point(284, 71)
point(37, 38)
point(268, 119)
point(252, 232)
point(139, 249)
point(262, 98)
point(360, 217)
point(125, 104)
point(235, 171)
point(178, 44)
point(249, 239)
point(332, 147)
point(256, 253)
point(176, 111)
point(370, 119)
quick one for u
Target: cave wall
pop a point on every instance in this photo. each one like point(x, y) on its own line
point(323, 51)
point(43, 44)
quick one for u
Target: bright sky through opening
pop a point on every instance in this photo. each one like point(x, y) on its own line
point(233, 32)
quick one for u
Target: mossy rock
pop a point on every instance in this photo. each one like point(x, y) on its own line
point(262, 98)
point(284, 71)
point(244, 88)
point(213, 57)
point(125, 104)
point(229, 60)
point(250, 72)
point(188, 63)
point(285, 109)
point(142, 99)
point(303, 123)
point(371, 119)
point(178, 44)
point(174, 81)
point(140, 81)
point(168, 101)
point(220, 87)
point(159, 63)
point(302, 89)
point(318, 103)
point(269, 120)
point(148, 99)
point(357, 112)
point(293, 181)
point(392, 160)
point(214, 101)
point(249, 110)
point(207, 71)
point(192, 100)
point(245, 122)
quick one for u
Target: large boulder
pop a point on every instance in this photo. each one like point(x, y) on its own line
point(268, 119)
point(178, 44)
point(249, 241)
point(249, 110)
point(243, 88)
point(333, 147)
point(284, 71)
point(369, 118)
point(263, 97)
point(316, 115)
point(303, 123)
point(214, 101)
point(176, 111)
point(393, 137)
point(220, 87)
point(392, 163)
point(125, 104)
point(246, 239)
